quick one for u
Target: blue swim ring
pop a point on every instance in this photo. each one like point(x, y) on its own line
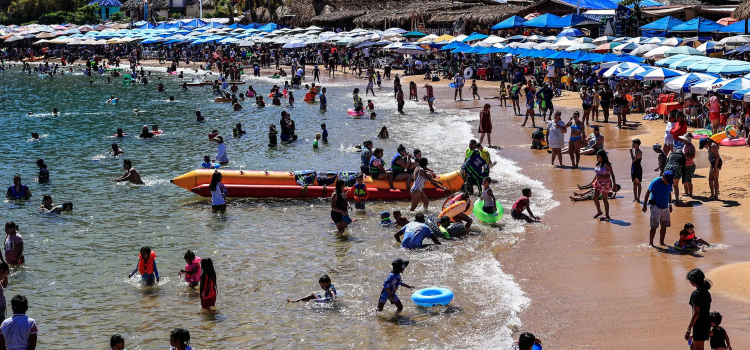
point(488, 218)
point(210, 165)
point(536, 347)
point(452, 85)
point(432, 296)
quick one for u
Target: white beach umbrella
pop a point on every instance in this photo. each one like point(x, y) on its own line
point(625, 48)
point(581, 47)
point(534, 38)
point(563, 44)
point(657, 52)
point(643, 49)
point(704, 87)
point(670, 42)
point(584, 40)
point(603, 40)
point(734, 41)
point(619, 68)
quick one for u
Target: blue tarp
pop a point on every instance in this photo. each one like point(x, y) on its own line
point(196, 23)
point(573, 20)
point(545, 21)
point(664, 24)
point(474, 36)
point(147, 26)
point(269, 27)
point(698, 24)
point(737, 27)
point(607, 4)
point(513, 22)
point(165, 25)
point(106, 3)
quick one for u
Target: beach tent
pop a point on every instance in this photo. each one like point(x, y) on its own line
point(473, 37)
point(737, 27)
point(415, 35)
point(512, 22)
point(268, 27)
point(683, 83)
point(660, 27)
point(545, 21)
point(698, 24)
point(742, 95)
point(683, 50)
point(574, 20)
point(196, 23)
point(704, 87)
point(658, 74)
point(727, 87)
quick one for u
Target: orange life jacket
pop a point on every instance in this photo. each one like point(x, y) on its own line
point(148, 267)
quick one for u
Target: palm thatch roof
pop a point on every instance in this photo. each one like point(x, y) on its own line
point(486, 15)
point(742, 11)
point(439, 12)
point(163, 4)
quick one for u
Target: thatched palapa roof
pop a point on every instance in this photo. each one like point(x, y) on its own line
point(742, 11)
point(487, 15)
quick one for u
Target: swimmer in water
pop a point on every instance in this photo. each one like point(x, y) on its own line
point(199, 117)
point(54, 111)
point(47, 204)
point(34, 136)
point(120, 133)
point(112, 99)
point(145, 134)
point(155, 130)
point(240, 131)
point(171, 98)
point(131, 174)
point(116, 150)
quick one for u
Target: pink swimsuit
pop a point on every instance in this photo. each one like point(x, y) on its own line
point(196, 277)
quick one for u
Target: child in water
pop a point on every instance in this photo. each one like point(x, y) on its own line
point(718, 335)
point(317, 139)
point(43, 171)
point(208, 284)
point(688, 238)
point(370, 105)
point(207, 163)
point(323, 100)
point(400, 219)
point(328, 296)
point(474, 90)
point(117, 342)
point(383, 133)
point(521, 204)
point(291, 99)
point(360, 192)
point(488, 197)
point(391, 284)
point(147, 266)
point(325, 132)
point(179, 339)
point(192, 270)
point(385, 219)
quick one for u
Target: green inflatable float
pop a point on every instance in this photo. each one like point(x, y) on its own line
point(488, 218)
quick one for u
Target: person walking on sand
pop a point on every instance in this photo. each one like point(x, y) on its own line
point(485, 124)
point(676, 163)
point(700, 301)
point(715, 160)
point(660, 194)
point(458, 82)
point(687, 175)
point(529, 107)
point(556, 137)
point(604, 182)
point(636, 170)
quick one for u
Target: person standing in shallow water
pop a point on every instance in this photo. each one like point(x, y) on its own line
point(131, 174)
point(700, 301)
point(485, 125)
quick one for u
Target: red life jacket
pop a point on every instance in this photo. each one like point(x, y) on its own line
point(148, 267)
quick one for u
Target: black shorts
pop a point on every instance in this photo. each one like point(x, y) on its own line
point(220, 207)
point(586, 106)
point(636, 175)
point(604, 104)
point(337, 217)
point(516, 214)
point(701, 333)
point(489, 210)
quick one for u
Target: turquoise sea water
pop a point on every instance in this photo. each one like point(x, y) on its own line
point(265, 251)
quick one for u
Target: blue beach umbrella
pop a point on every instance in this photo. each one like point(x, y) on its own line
point(742, 95)
point(658, 74)
point(570, 32)
point(682, 84)
point(512, 22)
point(730, 86)
point(730, 68)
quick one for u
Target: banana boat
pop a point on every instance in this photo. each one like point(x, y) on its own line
point(289, 184)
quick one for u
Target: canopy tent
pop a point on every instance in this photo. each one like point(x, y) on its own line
point(473, 37)
point(512, 22)
point(545, 21)
point(682, 84)
point(737, 27)
point(268, 27)
point(574, 20)
point(570, 32)
point(663, 25)
point(698, 24)
point(195, 23)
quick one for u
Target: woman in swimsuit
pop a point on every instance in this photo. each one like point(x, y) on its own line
point(577, 130)
point(421, 175)
point(485, 124)
point(715, 159)
point(339, 207)
point(605, 178)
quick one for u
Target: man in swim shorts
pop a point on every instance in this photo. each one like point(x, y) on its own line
point(131, 174)
point(414, 233)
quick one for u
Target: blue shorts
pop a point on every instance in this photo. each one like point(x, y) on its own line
point(148, 278)
point(384, 296)
point(285, 137)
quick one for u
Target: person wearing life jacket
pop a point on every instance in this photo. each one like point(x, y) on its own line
point(18, 190)
point(192, 269)
point(147, 267)
point(358, 107)
point(377, 168)
point(360, 192)
point(473, 166)
point(400, 166)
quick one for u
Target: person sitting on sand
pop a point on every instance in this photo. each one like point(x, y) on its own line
point(131, 174)
point(589, 194)
point(521, 204)
point(145, 133)
point(688, 238)
point(116, 150)
point(594, 143)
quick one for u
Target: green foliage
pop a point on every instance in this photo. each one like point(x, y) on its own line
point(118, 17)
point(4, 18)
point(637, 14)
point(88, 14)
point(159, 18)
point(176, 16)
point(26, 10)
point(57, 17)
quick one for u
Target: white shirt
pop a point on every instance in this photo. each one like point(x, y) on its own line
point(367, 52)
point(221, 155)
point(16, 331)
point(550, 71)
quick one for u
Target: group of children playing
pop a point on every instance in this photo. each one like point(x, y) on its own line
point(197, 272)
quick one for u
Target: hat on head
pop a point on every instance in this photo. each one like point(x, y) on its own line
point(669, 176)
point(385, 213)
point(702, 143)
point(687, 137)
point(657, 146)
